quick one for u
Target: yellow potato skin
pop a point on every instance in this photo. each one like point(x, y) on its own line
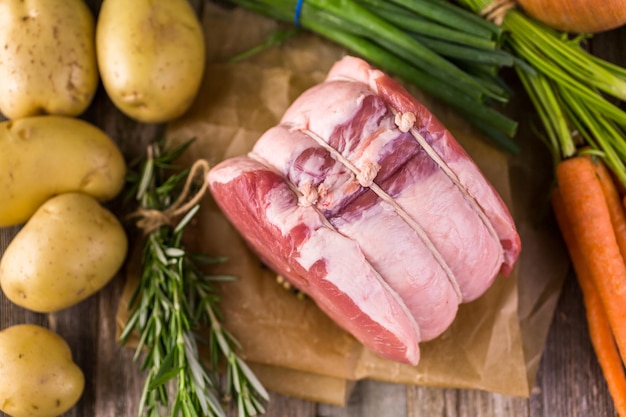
point(68, 250)
point(42, 156)
point(38, 377)
point(151, 57)
point(47, 57)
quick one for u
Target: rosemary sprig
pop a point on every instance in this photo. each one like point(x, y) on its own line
point(173, 301)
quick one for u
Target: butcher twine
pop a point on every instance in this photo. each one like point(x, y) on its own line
point(405, 122)
point(151, 219)
point(366, 179)
point(496, 11)
point(401, 120)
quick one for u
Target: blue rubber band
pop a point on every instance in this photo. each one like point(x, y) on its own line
point(296, 15)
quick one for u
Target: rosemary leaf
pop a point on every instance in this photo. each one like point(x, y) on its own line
point(174, 300)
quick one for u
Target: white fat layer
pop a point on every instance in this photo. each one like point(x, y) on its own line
point(455, 179)
point(356, 70)
point(336, 112)
point(408, 267)
point(473, 269)
point(227, 172)
point(344, 260)
point(401, 212)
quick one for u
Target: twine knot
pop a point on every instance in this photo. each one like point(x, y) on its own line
point(152, 219)
point(496, 11)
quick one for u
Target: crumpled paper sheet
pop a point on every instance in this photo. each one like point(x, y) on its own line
point(494, 344)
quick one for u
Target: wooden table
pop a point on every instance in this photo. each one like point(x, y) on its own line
point(569, 382)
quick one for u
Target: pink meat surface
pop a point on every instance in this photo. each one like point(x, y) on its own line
point(297, 242)
point(364, 201)
point(369, 139)
point(356, 212)
point(446, 148)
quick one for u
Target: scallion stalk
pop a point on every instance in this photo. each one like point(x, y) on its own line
point(451, 16)
point(414, 25)
point(498, 127)
point(469, 84)
point(573, 91)
point(410, 49)
point(463, 53)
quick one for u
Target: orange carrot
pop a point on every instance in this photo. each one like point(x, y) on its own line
point(599, 329)
point(591, 226)
point(614, 203)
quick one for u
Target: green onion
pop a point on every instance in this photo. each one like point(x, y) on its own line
point(577, 95)
point(407, 47)
point(444, 50)
point(498, 127)
point(461, 53)
point(450, 15)
point(421, 26)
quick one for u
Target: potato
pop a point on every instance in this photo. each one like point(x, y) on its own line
point(42, 156)
point(47, 59)
point(38, 377)
point(68, 250)
point(150, 56)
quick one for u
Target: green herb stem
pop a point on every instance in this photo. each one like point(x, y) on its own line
point(451, 16)
point(173, 301)
point(407, 46)
point(496, 57)
point(498, 127)
point(422, 26)
point(573, 91)
point(387, 34)
point(566, 53)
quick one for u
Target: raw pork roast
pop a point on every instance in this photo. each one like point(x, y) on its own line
point(365, 202)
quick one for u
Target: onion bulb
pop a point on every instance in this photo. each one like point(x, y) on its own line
point(577, 16)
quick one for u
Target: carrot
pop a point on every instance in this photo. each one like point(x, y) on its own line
point(614, 203)
point(599, 329)
point(590, 221)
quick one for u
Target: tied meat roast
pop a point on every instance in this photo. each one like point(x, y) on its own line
point(363, 200)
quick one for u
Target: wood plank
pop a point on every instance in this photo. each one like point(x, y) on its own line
point(119, 378)
point(424, 401)
point(10, 313)
point(281, 405)
point(569, 382)
point(371, 399)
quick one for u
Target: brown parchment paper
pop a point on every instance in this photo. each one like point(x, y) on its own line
point(494, 344)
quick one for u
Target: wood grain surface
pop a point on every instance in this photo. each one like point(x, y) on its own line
point(569, 382)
